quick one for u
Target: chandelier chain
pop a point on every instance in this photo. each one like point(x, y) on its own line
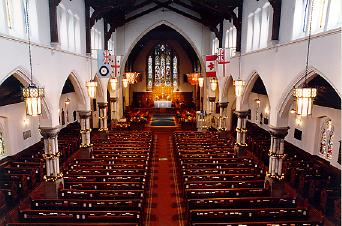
point(309, 42)
point(27, 21)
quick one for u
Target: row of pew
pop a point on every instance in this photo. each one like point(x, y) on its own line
point(312, 177)
point(108, 187)
point(21, 173)
point(221, 189)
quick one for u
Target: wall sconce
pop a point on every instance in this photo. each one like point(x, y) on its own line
point(299, 121)
point(67, 101)
point(26, 121)
point(292, 111)
point(258, 101)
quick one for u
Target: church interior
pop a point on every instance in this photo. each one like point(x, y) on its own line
point(170, 112)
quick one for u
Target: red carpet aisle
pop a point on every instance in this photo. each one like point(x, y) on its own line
point(164, 205)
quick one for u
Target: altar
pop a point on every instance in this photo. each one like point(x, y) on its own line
point(162, 104)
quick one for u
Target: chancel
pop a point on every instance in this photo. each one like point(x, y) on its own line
point(170, 112)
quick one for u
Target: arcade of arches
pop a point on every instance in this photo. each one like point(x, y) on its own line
point(169, 143)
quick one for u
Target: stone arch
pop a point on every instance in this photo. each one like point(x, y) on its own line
point(249, 86)
point(173, 26)
point(22, 75)
point(286, 99)
point(99, 88)
point(73, 76)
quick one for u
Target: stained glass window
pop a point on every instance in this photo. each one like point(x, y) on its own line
point(149, 73)
point(326, 144)
point(2, 145)
point(162, 68)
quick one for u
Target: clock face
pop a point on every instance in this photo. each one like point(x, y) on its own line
point(103, 71)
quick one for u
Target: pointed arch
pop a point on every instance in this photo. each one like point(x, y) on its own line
point(249, 86)
point(173, 26)
point(21, 74)
point(73, 77)
point(287, 99)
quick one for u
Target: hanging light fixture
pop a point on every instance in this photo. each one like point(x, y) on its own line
point(91, 87)
point(239, 84)
point(200, 82)
point(193, 78)
point(125, 82)
point(213, 84)
point(304, 95)
point(32, 94)
point(133, 77)
point(113, 83)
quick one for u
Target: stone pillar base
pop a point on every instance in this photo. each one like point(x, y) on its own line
point(276, 186)
point(86, 152)
point(52, 187)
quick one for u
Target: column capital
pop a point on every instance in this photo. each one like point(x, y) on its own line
point(211, 99)
point(84, 114)
point(223, 104)
point(102, 104)
point(242, 114)
point(279, 132)
point(49, 132)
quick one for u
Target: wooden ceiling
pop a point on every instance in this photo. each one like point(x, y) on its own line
point(208, 12)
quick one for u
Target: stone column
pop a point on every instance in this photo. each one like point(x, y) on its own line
point(53, 177)
point(241, 131)
point(211, 104)
point(223, 106)
point(86, 145)
point(103, 116)
point(275, 176)
point(113, 105)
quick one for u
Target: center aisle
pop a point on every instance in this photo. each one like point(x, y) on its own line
point(164, 203)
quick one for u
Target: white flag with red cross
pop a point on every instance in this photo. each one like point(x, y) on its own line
point(210, 65)
point(115, 65)
point(223, 56)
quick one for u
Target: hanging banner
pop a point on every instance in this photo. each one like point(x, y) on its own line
point(115, 66)
point(223, 56)
point(210, 65)
point(104, 60)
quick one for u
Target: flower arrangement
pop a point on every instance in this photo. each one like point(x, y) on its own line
point(186, 115)
point(138, 117)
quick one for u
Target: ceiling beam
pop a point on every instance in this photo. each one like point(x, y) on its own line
point(143, 13)
point(53, 20)
point(167, 5)
point(276, 4)
point(98, 14)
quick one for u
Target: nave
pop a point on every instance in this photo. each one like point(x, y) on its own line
point(169, 178)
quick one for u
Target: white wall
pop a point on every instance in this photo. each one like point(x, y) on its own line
point(311, 130)
point(17, 123)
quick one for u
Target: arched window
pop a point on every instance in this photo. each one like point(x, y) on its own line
point(326, 15)
point(326, 143)
point(2, 145)
point(162, 68)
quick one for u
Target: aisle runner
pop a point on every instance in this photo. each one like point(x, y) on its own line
point(163, 120)
point(164, 205)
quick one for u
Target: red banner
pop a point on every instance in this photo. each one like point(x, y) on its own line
point(210, 65)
